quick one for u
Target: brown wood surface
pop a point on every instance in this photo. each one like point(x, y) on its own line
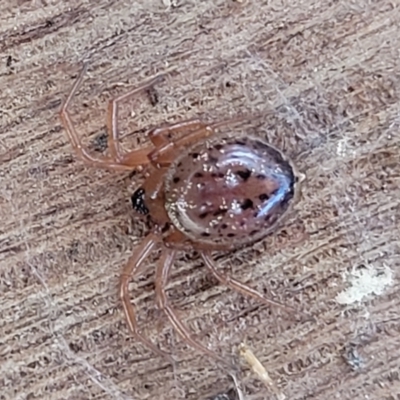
point(326, 78)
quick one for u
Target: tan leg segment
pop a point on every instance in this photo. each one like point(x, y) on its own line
point(112, 118)
point(163, 135)
point(131, 269)
point(167, 148)
point(115, 161)
point(239, 286)
point(162, 275)
point(163, 152)
point(167, 153)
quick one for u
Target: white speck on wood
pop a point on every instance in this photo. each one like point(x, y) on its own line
point(364, 282)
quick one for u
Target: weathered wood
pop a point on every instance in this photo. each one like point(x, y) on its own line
point(326, 76)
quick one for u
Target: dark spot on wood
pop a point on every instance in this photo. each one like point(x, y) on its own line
point(230, 234)
point(176, 179)
point(242, 142)
point(205, 234)
point(9, 61)
point(153, 96)
point(76, 348)
point(244, 174)
point(224, 226)
point(194, 155)
point(247, 204)
point(73, 250)
point(263, 196)
point(261, 176)
point(252, 233)
point(100, 142)
point(39, 172)
point(52, 104)
point(213, 159)
point(203, 215)
point(218, 146)
point(56, 129)
point(138, 132)
point(179, 164)
point(198, 175)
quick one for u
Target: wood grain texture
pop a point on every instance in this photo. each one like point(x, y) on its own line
point(326, 77)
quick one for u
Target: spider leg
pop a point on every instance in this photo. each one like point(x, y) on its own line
point(112, 125)
point(163, 142)
point(115, 161)
point(131, 269)
point(240, 286)
point(167, 149)
point(162, 275)
point(163, 135)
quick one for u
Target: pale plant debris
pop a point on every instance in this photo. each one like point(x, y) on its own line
point(255, 364)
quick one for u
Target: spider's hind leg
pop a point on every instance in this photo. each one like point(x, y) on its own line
point(243, 288)
point(131, 269)
point(162, 275)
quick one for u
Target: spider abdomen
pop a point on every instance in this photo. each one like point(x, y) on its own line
point(229, 191)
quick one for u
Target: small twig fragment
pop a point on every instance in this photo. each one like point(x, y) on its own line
point(260, 371)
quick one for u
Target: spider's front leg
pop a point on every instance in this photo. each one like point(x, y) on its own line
point(165, 143)
point(167, 148)
point(116, 160)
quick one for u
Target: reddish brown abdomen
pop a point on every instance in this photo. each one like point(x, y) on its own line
point(229, 191)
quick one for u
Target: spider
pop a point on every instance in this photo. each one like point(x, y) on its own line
point(202, 192)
